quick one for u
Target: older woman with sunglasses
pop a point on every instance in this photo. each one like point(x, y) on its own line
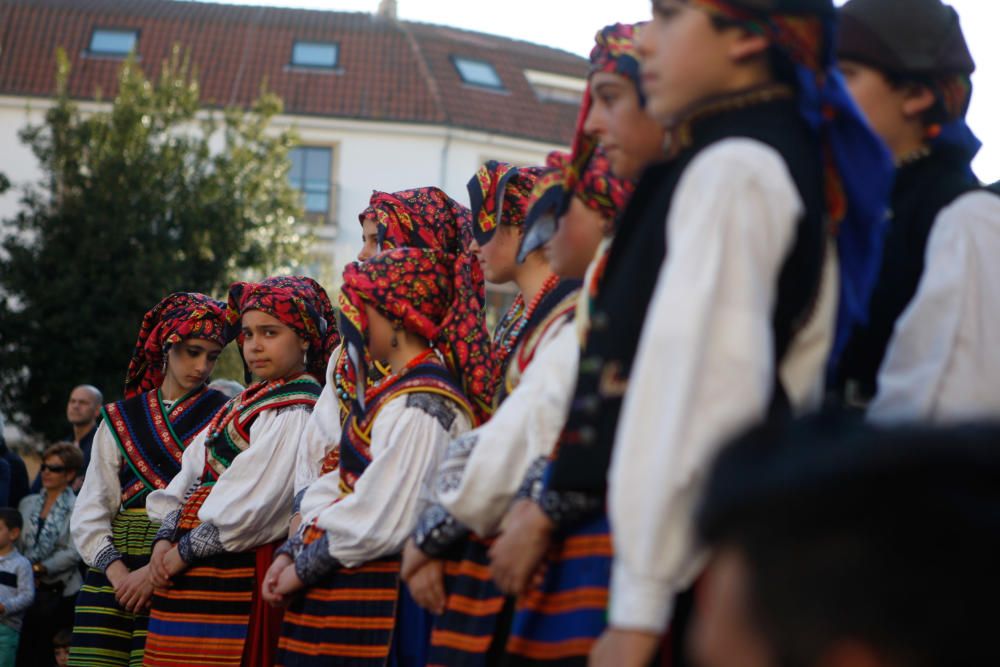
point(45, 541)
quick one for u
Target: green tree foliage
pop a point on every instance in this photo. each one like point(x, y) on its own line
point(151, 196)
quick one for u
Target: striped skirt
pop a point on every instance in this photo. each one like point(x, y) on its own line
point(559, 622)
point(213, 616)
point(466, 632)
point(346, 620)
point(104, 634)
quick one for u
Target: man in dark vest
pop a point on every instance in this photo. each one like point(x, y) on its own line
point(82, 412)
point(927, 351)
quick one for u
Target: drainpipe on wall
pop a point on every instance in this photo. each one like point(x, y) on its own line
point(445, 149)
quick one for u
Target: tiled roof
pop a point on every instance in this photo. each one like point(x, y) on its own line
point(388, 70)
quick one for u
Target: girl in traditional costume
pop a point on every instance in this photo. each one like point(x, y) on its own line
point(137, 450)
point(223, 514)
point(416, 308)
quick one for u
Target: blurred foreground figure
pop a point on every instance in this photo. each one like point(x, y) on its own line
point(847, 546)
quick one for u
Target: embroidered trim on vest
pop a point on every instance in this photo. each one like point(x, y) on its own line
point(152, 439)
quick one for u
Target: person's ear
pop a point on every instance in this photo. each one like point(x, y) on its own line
point(917, 99)
point(747, 44)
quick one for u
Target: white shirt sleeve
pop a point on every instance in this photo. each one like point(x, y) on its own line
point(251, 503)
point(940, 364)
point(703, 368)
point(321, 433)
point(375, 521)
point(485, 468)
point(99, 499)
point(162, 502)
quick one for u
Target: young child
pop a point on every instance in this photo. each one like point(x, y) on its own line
point(766, 150)
point(62, 642)
point(137, 450)
point(224, 512)
point(17, 585)
point(411, 307)
point(934, 309)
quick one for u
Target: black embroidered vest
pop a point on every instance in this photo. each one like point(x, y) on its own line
point(584, 449)
point(152, 438)
point(922, 189)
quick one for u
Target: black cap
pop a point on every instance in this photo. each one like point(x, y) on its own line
point(911, 37)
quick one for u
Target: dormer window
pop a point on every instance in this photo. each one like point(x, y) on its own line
point(478, 73)
point(318, 55)
point(115, 43)
point(551, 87)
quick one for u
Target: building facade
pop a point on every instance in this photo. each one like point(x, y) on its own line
point(378, 103)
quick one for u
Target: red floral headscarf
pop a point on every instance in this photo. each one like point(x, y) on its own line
point(585, 171)
point(615, 51)
point(597, 186)
point(298, 302)
point(368, 214)
point(426, 292)
point(420, 218)
point(499, 194)
point(180, 316)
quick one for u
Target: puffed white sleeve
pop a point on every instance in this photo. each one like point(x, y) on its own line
point(483, 469)
point(409, 437)
point(940, 364)
point(98, 502)
point(320, 435)
point(704, 367)
point(250, 504)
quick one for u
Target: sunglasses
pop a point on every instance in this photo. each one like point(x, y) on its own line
point(46, 466)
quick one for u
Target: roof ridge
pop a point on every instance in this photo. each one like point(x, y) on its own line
point(263, 8)
point(392, 71)
point(493, 35)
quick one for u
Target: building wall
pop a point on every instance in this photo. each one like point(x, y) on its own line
point(388, 156)
point(16, 160)
point(366, 156)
